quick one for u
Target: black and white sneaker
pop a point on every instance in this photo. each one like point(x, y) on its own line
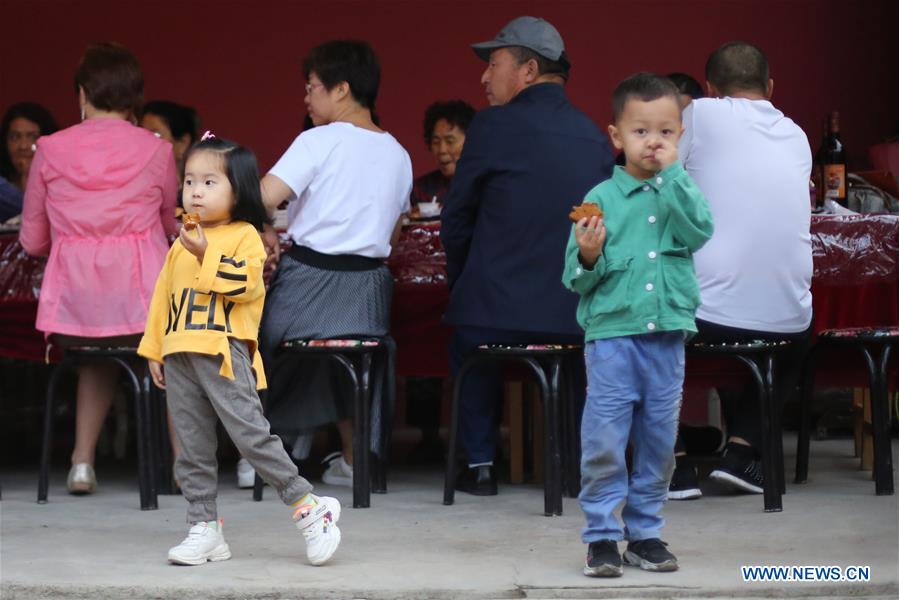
point(603, 559)
point(684, 483)
point(650, 555)
point(740, 470)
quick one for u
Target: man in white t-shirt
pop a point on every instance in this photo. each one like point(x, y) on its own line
point(752, 164)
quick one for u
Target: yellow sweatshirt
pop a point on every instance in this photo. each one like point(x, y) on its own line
point(197, 307)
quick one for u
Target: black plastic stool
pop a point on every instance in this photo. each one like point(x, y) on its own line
point(163, 456)
point(758, 356)
point(875, 344)
point(143, 393)
point(546, 362)
point(356, 356)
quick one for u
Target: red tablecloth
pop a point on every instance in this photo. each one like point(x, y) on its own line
point(856, 280)
point(20, 282)
point(420, 297)
point(856, 283)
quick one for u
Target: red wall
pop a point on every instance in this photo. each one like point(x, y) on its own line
point(237, 61)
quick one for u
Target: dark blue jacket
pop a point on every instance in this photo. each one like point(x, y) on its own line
point(505, 218)
point(10, 200)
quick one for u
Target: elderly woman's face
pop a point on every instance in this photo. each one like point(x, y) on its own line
point(446, 146)
point(20, 139)
point(157, 125)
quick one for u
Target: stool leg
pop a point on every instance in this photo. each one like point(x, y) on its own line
point(165, 455)
point(771, 489)
point(555, 441)
point(449, 476)
point(773, 472)
point(805, 416)
point(257, 488)
point(365, 417)
point(144, 448)
point(550, 465)
point(574, 433)
point(361, 445)
point(151, 413)
point(358, 447)
point(776, 421)
point(43, 483)
point(387, 410)
point(378, 386)
point(883, 460)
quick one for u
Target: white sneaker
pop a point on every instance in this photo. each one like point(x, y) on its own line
point(338, 471)
point(204, 542)
point(319, 526)
point(246, 475)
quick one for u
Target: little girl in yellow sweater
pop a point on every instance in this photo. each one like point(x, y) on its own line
point(201, 343)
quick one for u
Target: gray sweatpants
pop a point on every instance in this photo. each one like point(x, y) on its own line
point(197, 398)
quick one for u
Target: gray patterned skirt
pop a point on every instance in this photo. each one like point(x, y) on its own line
point(317, 296)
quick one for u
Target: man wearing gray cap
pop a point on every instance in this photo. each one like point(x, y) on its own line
point(527, 159)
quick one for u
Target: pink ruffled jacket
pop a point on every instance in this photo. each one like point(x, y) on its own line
point(100, 200)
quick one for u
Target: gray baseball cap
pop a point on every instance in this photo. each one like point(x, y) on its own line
point(528, 32)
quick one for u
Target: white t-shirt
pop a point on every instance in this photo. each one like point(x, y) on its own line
point(350, 186)
point(753, 165)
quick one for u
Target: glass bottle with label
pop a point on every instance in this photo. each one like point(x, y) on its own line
point(831, 158)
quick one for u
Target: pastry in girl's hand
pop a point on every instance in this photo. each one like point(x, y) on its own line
point(584, 211)
point(190, 220)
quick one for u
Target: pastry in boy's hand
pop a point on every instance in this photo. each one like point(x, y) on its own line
point(190, 220)
point(584, 211)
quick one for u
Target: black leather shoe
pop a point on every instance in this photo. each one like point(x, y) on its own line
point(477, 481)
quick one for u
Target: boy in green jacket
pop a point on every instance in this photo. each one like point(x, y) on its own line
point(633, 269)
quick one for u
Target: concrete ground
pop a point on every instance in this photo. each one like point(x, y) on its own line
point(408, 545)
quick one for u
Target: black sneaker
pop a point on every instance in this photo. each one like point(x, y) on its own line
point(603, 559)
point(684, 483)
point(650, 555)
point(740, 470)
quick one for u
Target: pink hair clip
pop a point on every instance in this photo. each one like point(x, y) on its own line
point(207, 136)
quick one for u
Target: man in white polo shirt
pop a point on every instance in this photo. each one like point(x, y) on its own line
point(752, 164)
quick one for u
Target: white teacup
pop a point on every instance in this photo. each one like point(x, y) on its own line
point(429, 209)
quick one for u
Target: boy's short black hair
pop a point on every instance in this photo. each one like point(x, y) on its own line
point(645, 87)
point(454, 112)
point(737, 66)
point(346, 60)
point(687, 85)
point(240, 166)
point(182, 120)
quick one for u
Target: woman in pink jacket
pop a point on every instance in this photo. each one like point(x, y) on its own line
point(100, 200)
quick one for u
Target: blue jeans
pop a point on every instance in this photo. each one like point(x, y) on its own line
point(634, 390)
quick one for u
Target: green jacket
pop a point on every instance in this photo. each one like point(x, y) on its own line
point(644, 280)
